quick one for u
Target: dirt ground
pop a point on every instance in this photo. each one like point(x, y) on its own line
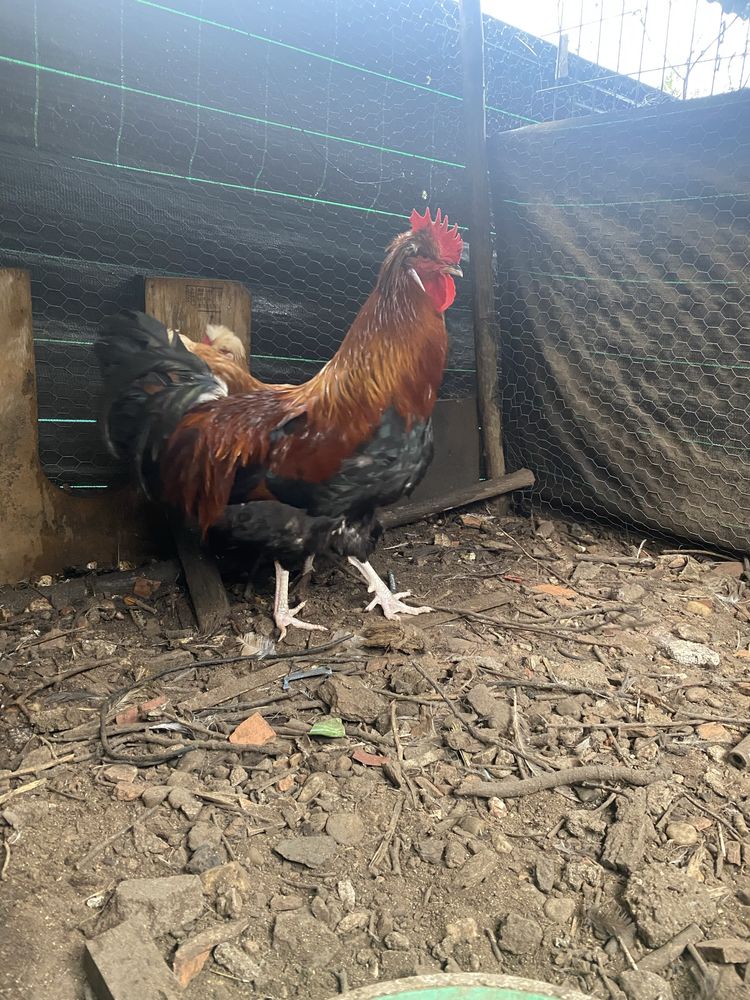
point(416, 838)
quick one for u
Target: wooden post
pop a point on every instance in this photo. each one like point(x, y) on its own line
point(480, 244)
point(43, 528)
point(188, 305)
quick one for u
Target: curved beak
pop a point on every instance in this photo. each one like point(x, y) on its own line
point(452, 269)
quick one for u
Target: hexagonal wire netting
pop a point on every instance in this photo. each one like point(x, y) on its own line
point(281, 145)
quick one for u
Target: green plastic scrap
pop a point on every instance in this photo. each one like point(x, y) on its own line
point(329, 727)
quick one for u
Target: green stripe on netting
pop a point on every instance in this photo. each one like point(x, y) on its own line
point(240, 187)
point(253, 357)
point(223, 111)
point(739, 196)
point(329, 59)
point(632, 281)
point(65, 420)
point(679, 362)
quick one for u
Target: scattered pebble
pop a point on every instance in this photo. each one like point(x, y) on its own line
point(346, 829)
point(313, 852)
point(683, 834)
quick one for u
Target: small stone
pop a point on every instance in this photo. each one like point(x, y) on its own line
point(659, 896)
point(456, 854)
point(464, 929)
point(683, 834)
point(347, 894)
point(497, 808)
point(128, 791)
point(230, 905)
point(501, 844)
point(182, 799)
point(701, 608)
point(124, 962)
point(714, 732)
point(98, 649)
point(430, 850)
point(730, 570)
point(725, 951)
point(286, 784)
point(546, 874)
point(696, 695)
point(313, 852)
point(161, 905)
point(224, 878)
point(313, 786)
point(629, 593)
point(254, 731)
point(355, 921)
point(192, 954)
point(472, 825)
point(345, 828)
point(237, 962)
point(116, 773)
point(154, 795)
point(639, 985)
point(305, 940)
point(351, 699)
point(560, 909)
point(206, 857)
point(520, 935)
point(396, 941)
point(688, 654)
point(283, 904)
point(237, 776)
point(203, 834)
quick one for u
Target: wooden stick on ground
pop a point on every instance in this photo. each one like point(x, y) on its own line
point(409, 512)
point(512, 788)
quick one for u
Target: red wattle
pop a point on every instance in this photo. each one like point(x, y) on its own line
point(441, 289)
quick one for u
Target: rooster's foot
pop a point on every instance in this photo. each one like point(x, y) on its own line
point(287, 618)
point(282, 614)
point(391, 604)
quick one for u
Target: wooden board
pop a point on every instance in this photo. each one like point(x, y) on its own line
point(45, 529)
point(458, 449)
point(190, 304)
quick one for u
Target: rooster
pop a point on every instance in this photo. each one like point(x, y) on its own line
point(356, 436)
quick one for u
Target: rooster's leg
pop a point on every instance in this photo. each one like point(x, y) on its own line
point(283, 617)
point(391, 604)
point(307, 571)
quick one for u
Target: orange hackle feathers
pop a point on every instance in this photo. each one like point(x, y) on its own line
point(448, 241)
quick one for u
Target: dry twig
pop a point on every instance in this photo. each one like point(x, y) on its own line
point(512, 788)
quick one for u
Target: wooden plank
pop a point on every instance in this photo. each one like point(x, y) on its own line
point(210, 601)
point(190, 304)
point(480, 221)
point(410, 512)
point(45, 529)
point(458, 449)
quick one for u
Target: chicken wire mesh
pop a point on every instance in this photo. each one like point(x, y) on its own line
point(281, 145)
point(625, 313)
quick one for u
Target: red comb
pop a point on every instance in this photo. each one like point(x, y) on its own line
point(448, 240)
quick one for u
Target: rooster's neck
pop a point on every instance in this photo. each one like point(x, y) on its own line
point(393, 356)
